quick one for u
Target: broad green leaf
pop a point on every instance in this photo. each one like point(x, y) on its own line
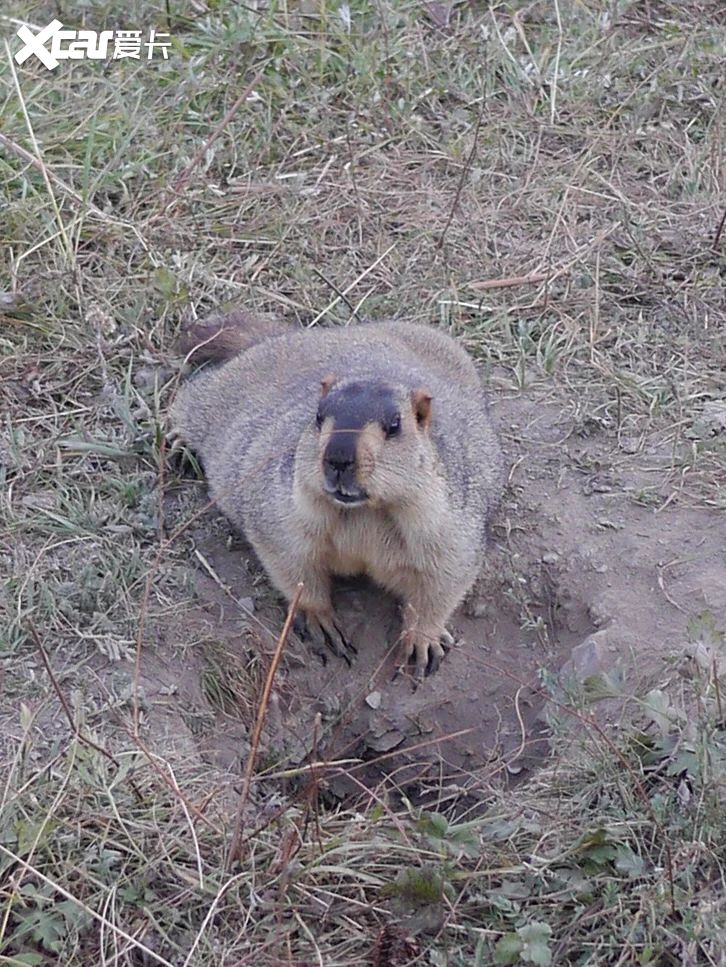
point(626, 861)
point(535, 939)
point(508, 949)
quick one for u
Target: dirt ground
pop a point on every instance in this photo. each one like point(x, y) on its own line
point(544, 180)
point(596, 564)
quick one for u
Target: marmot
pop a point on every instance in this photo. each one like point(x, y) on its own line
point(343, 451)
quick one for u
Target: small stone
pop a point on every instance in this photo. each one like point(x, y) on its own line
point(589, 658)
point(551, 557)
point(373, 700)
point(714, 417)
point(40, 500)
point(386, 742)
point(477, 609)
point(148, 378)
point(100, 319)
point(10, 300)
point(246, 604)
point(683, 794)
point(598, 614)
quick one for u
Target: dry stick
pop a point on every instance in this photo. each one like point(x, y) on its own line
point(352, 285)
point(353, 179)
point(511, 280)
point(590, 722)
point(177, 532)
point(313, 789)
point(69, 714)
point(162, 486)
point(181, 182)
point(719, 230)
point(51, 176)
point(157, 958)
point(257, 732)
point(350, 765)
point(336, 290)
point(719, 706)
point(464, 173)
point(555, 73)
point(54, 203)
point(170, 783)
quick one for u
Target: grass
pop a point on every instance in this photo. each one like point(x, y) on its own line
point(382, 164)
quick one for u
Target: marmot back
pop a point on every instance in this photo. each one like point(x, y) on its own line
point(340, 451)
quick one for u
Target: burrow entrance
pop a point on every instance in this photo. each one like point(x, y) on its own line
point(582, 573)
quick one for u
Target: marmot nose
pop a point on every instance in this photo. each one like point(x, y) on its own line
point(339, 465)
point(340, 453)
point(339, 462)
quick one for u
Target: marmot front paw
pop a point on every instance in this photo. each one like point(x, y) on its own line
point(322, 629)
point(428, 650)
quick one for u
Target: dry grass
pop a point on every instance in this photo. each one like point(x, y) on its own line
point(388, 165)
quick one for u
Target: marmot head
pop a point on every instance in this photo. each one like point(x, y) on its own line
point(370, 442)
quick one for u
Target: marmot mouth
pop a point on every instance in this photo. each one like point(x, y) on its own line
point(341, 497)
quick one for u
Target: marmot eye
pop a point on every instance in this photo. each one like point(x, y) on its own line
point(318, 419)
point(394, 427)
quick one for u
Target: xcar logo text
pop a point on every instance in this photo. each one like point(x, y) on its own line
point(79, 44)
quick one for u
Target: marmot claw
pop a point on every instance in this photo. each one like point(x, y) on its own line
point(322, 631)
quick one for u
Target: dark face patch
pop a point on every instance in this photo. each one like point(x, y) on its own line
point(352, 407)
point(356, 404)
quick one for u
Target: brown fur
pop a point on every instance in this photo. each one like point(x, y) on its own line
point(420, 494)
point(221, 337)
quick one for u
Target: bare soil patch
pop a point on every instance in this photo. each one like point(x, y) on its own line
point(392, 159)
point(594, 565)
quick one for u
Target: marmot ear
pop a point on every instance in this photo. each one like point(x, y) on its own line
point(421, 399)
point(327, 383)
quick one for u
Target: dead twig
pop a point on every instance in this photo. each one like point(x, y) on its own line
point(181, 182)
point(714, 670)
point(80, 736)
point(719, 232)
point(462, 179)
point(591, 723)
point(341, 295)
point(236, 843)
point(49, 174)
point(509, 281)
point(352, 285)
